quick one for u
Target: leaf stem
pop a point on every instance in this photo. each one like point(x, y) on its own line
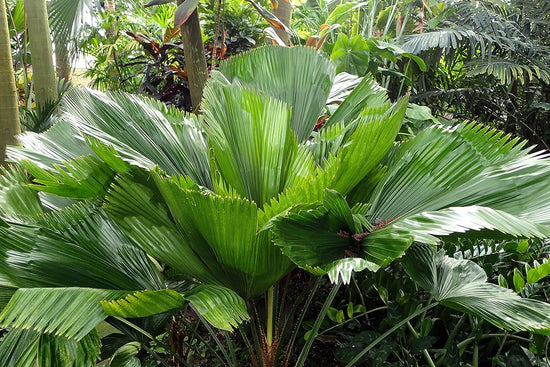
point(387, 333)
point(269, 329)
point(317, 324)
point(425, 353)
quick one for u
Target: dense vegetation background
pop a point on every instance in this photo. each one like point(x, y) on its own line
point(349, 196)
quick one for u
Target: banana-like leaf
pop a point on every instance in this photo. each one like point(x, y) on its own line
point(23, 348)
point(220, 306)
point(461, 166)
point(144, 303)
point(298, 76)
point(67, 312)
point(184, 11)
point(462, 285)
point(253, 156)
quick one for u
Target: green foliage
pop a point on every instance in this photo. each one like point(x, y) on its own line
point(169, 211)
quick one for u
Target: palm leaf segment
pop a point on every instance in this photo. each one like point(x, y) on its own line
point(461, 285)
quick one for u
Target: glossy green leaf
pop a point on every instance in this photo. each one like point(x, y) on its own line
point(462, 285)
point(298, 76)
point(57, 310)
point(220, 306)
point(125, 355)
point(143, 303)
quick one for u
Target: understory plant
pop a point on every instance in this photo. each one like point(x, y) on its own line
point(127, 212)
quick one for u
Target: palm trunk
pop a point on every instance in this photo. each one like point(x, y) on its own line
point(43, 74)
point(195, 60)
point(284, 13)
point(9, 115)
point(62, 62)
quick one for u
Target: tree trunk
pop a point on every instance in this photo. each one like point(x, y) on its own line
point(62, 62)
point(195, 60)
point(9, 115)
point(284, 13)
point(43, 73)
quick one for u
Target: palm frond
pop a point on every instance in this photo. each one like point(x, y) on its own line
point(57, 311)
point(78, 178)
point(465, 165)
point(254, 157)
point(366, 94)
point(15, 198)
point(147, 223)
point(58, 144)
point(23, 348)
point(298, 76)
point(369, 143)
point(144, 133)
point(242, 260)
point(47, 253)
point(143, 303)
point(462, 285)
point(220, 306)
point(508, 70)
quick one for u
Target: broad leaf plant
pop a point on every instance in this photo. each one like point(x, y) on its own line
point(126, 210)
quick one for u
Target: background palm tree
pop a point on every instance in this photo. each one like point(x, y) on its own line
point(9, 116)
point(45, 86)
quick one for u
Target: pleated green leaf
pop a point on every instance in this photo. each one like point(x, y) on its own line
point(78, 178)
point(240, 259)
point(312, 237)
point(144, 303)
point(15, 198)
point(253, 145)
point(144, 132)
point(24, 348)
point(370, 142)
point(220, 306)
point(429, 227)
point(57, 311)
point(298, 76)
point(366, 94)
point(56, 145)
point(461, 285)
point(47, 253)
point(462, 166)
point(146, 221)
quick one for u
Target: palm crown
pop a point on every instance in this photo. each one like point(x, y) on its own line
point(135, 209)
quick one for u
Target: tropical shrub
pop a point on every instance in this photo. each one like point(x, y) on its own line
point(133, 211)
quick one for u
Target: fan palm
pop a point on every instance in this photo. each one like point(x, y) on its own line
point(135, 209)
